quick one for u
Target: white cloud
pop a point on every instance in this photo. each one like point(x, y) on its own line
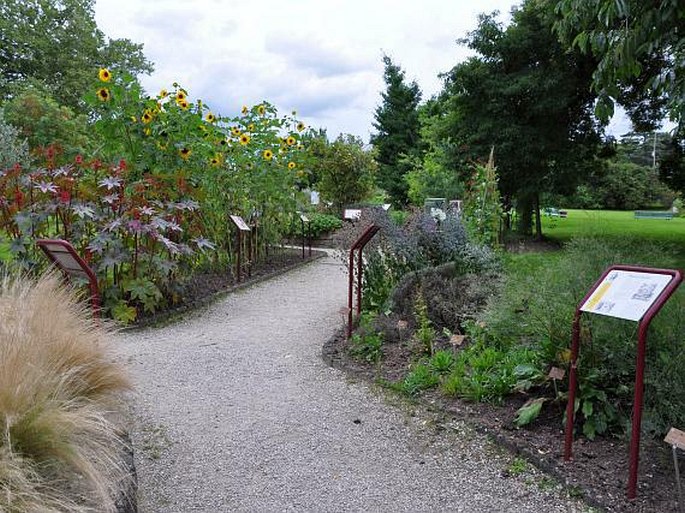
point(321, 58)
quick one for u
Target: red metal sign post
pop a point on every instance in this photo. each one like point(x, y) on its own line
point(358, 245)
point(63, 255)
point(654, 295)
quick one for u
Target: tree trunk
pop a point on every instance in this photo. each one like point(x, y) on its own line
point(538, 223)
point(524, 213)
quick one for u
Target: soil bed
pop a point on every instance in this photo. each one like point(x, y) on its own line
point(600, 468)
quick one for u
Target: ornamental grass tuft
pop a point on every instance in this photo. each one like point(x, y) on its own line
point(61, 443)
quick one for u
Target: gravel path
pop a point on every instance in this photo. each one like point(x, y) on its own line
point(236, 411)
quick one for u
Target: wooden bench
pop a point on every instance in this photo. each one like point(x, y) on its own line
point(653, 214)
point(553, 212)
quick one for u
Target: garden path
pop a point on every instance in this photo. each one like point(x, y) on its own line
point(235, 410)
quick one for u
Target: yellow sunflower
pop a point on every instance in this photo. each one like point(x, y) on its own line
point(146, 117)
point(244, 139)
point(261, 110)
point(215, 161)
point(103, 94)
point(300, 126)
point(211, 118)
point(163, 93)
point(290, 140)
point(250, 127)
point(244, 110)
point(291, 165)
point(183, 104)
point(185, 153)
point(104, 75)
point(268, 154)
point(180, 96)
point(235, 131)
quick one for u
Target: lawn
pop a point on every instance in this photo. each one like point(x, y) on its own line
point(612, 223)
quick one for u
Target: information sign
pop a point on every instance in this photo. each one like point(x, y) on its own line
point(626, 294)
point(304, 218)
point(352, 214)
point(240, 223)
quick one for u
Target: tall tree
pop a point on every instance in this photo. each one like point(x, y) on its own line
point(397, 123)
point(57, 43)
point(640, 47)
point(524, 94)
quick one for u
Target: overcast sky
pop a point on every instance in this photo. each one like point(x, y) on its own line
point(321, 58)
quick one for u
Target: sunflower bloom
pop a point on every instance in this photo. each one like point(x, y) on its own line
point(291, 165)
point(268, 155)
point(244, 110)
point(103, 94)
point(146, 117)
point(180, 96)
point(215, 161)
point(185, 153)
point(183, 104)
point(244, 139)
point(250, 127)
point(235, 131)
point(300, 126)
point(261, 110)
point(211, 118)
point(290, 140)
point(163, 93)
point(104, 75)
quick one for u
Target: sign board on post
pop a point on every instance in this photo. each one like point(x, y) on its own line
point(66, 259)
point(241, 225)
point(631, 293)
point(306, 233)
point(352, 214)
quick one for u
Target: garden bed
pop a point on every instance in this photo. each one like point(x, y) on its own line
point(600, 469)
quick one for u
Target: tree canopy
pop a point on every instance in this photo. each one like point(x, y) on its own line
point(57, 43)
point(397, 123)
point(640, 47)
point(524, 94)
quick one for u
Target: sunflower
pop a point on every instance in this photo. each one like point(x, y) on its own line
point(183, 104)
point(163, 93)
point(235, 131)
point(146, 117)
point(268, 154)
point(211, 118)
point(291, 165)
point(180, 96)
point(215, 161)
point(300, 126)
point(104, 75)
point(244, 139)
point(244, 110)
point(103, 94)
point(185, 153)
point(223, 142)
point(300, 147)
point(261, 110)
point(290, 140)
point(250, 127)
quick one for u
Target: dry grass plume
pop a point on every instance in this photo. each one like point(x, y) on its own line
point(60, 447)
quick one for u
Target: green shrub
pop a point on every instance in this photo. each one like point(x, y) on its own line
point(420, 378)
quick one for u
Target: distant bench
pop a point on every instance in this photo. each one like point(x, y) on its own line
point(653, 214)
point(553, 212)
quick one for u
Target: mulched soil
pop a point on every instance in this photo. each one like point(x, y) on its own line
point(599, 470)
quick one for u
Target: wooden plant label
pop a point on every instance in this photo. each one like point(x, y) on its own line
point(556, 373)
point(457, 340)
point(676, 438)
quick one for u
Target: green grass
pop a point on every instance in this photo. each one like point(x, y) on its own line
point(613, 224)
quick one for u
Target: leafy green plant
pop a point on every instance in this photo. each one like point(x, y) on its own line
point(441, 362)
point(419, 378)
point(425, 333)
point(367, 347)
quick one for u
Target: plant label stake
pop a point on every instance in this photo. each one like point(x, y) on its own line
point(676, 439)
point(358, 245)
point(241, 225)
point(63, 255)
point(306, 233)
point(634, 294)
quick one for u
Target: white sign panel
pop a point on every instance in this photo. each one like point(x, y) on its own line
point(626, 294)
